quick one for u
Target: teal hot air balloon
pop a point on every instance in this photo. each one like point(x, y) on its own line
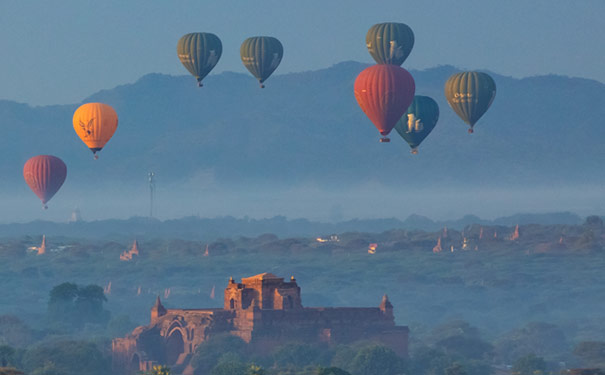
point(261, 55)
point(418, 121)
point(470, 94)
point(390, 42)
point(199, 53)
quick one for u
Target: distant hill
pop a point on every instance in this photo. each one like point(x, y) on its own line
point(230, 227)
point(307, 128)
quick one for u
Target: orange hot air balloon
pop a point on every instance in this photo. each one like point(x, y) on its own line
point(44, 174)
point(95, 124)
point(384, 93)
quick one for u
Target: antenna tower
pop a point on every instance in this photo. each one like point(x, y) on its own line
point(151, 176)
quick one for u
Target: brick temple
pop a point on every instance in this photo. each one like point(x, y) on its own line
point(263, 310)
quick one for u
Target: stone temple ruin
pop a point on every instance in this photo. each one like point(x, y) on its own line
point(263, 310)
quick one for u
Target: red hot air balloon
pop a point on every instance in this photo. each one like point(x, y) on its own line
point(44, 174)
point(384, 93)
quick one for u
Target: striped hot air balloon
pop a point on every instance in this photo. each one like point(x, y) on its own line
point(45, 174)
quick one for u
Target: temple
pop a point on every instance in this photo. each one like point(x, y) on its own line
point(263, 310)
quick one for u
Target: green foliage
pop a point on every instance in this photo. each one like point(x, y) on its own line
point(455, 369)
point(466, 347)
point(120, 325)
point(7, 356)
point(66, 358)
point(343, 357)
point(592, 353)
point(529, 365)
point(208, 353)
point(14, 332)
point(70, 305)
point(430, 361)
point(299, 355)
point(377, 360)
point(230, 364)
point(331, 371)
point(543, 339)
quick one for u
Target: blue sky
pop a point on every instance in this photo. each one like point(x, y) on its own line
point(57, 52)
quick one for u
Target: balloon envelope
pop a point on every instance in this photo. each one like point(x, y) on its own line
point(384, 92)
point(199, 53)
point(470, 94)
point(418, 121)
point(95, 124)
point(261, 55)
point(390, 42)
point(44, 174)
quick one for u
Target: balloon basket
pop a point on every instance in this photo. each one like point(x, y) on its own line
point(96, 157)
point(200, 84)
point(414, 151)
point(262, 86)
point(385, 140)
point(44, 207)
point(471, 131)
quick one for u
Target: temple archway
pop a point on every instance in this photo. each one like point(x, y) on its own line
point(175, 346)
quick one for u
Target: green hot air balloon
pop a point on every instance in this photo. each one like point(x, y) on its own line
point(470, 94)
point(418, 122)
point(261, 55)
point(390, 42)
point(199, 53)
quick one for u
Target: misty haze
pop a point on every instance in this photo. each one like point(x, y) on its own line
point(302, 188)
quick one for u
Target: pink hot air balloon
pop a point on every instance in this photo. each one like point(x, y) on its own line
point(44, 174)
point(384, 93)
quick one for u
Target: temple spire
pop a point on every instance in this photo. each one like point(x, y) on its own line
point(158, 309)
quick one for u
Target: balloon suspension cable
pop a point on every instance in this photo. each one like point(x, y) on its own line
point(385, 140)
point(414, 151)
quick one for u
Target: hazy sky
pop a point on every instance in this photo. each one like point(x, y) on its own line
point(57, 52)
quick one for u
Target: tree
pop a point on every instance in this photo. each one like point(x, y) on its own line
point(331, 371)
point(66, 358)
point(455, 369)
point(209, 352)
point(14, 332)
point(529, 365)
point(376, 360)
point(89, 304)
point(230, 364)
point(72, 306)
point(591, 352)
point(430, 361)
point(466, 347)
point(298, 355)
point(7, 355)
point(542, 339)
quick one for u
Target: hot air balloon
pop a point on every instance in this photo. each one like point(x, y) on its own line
point(470, 94)
point(95, 124)
point(390, 42)
point(418, 121)
point(199, 53)
point(261, 55)
point(44, 174)
point(384, 92)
